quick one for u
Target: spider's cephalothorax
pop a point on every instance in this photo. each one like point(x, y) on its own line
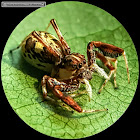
point(74, 65)
point(67, 70)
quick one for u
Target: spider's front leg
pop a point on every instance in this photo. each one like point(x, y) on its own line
point(112, 52)
point(58, 89)
point(92, 55)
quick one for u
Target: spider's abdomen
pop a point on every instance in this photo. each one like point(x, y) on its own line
point(42, 50)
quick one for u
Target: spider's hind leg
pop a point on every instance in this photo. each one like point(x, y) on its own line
point(65, 46)
point(115, 61)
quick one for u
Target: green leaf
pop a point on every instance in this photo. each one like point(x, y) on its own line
point(21, 82)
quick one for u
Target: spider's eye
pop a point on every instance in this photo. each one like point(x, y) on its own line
point(84, 61)
point(80, 65)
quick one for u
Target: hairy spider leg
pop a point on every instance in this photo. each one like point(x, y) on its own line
point(65, 46)
point(115, 62)
point(111, 53)
point(111, 50)
point(91, 54)
point(54, 85)
point(44, 90)
point(56, 88)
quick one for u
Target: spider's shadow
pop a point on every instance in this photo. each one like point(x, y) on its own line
point(16, 60)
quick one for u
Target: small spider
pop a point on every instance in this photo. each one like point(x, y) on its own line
point(68, 70)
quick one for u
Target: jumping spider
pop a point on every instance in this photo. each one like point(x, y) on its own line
point(68, 70)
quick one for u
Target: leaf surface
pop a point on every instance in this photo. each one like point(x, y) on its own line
point(82, 23)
